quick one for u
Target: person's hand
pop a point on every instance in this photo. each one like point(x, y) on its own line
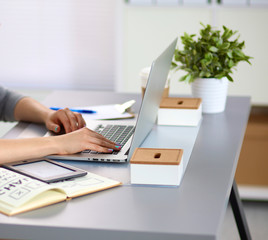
point(64, 119)
point(84, 139)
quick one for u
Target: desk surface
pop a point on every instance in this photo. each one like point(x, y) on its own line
point(195, 210)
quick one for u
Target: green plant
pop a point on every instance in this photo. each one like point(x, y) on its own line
point(212, 55)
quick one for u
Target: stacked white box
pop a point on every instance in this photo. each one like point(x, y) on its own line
point(157, 166)
point(180, 111)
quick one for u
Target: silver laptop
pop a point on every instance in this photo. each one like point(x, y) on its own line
point(131, 136)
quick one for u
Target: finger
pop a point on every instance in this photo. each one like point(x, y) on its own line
point(72, 119)
point(63, 118)
point(98, 148)
point(105, 144)
point(80, 120)
point(55, 128)
point(52, 126)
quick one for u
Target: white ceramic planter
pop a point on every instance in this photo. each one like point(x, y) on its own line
point(213, 92)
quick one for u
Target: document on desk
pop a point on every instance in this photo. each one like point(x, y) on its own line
point(105, 112)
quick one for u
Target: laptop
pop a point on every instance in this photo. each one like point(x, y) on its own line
point(131, 136)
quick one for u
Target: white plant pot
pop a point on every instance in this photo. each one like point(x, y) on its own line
point(213, 92)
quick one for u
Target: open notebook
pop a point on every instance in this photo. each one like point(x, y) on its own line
point(19, 193)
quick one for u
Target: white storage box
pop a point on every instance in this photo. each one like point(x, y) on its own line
point(156, 166)
point(180, 111)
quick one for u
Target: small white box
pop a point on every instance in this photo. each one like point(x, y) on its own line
point(180, 111)
point(156, 166)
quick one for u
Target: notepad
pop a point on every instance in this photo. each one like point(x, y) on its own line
point(19, 193)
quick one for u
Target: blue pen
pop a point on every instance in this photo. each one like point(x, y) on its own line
point(75, 110)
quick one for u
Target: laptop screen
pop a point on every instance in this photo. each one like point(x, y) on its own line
point(152, 96)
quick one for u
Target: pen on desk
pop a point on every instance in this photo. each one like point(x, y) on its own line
point(76, 110)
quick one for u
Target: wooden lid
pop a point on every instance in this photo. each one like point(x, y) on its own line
point(161, 156)
point(181, 103)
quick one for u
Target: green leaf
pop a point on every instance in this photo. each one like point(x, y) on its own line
point(188, 78)
point(230, 78)
point(174, 65)
point(195, 68)
point(231, 63)
point(202, 24)
point(182, 79)
point(239, 53)
point(207, 75)
point(229, 54)
point(241, 45)
point(225, 45)
point(208, 56)
point(219, 76)
point(213, 49)
point(202, 74)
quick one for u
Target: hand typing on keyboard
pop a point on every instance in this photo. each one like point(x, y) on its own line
point(115, 133)
point(84, 139)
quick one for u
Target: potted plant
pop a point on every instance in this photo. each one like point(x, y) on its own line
point(209, 61)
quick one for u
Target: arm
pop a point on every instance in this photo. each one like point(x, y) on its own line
point(30, 110)
point(77, 141)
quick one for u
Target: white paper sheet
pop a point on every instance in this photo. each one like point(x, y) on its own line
point(104, 112)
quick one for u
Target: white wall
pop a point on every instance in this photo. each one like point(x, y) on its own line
point(148, 30)
point(252, 26)
point(58, 44)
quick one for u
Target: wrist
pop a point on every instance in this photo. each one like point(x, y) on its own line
point(45, 115)
point(57, 145)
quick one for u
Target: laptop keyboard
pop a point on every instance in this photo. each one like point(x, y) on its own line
point(119, 134)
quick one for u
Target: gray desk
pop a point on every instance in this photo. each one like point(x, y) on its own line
point(195, 210)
